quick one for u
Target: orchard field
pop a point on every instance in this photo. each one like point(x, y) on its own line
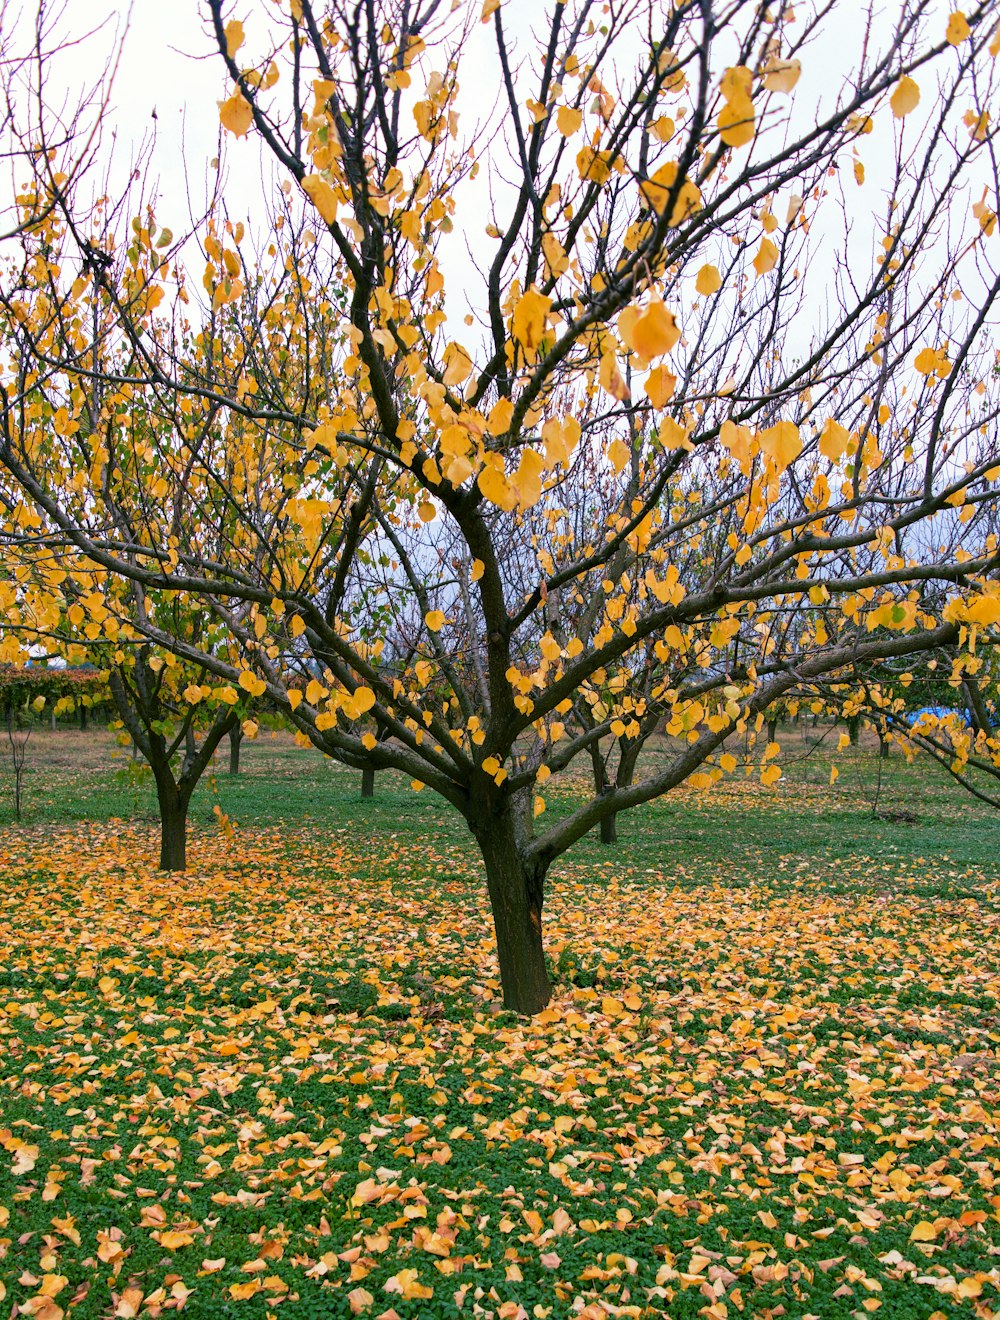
point(282, 1083)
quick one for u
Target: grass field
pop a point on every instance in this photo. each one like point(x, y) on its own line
point(281, 1083)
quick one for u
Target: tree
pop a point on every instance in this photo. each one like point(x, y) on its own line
point(163, 725)
point(660, 298)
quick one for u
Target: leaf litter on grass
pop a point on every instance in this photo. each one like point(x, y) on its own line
point(282, 1083)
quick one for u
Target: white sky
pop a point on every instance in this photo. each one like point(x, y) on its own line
point(169, 66)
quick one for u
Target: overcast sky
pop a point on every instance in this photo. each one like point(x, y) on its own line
point(168, 67)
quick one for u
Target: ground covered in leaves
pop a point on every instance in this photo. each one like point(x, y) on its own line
point(281, 1083)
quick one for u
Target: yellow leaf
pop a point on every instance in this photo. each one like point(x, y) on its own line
point(654, 332)
point(234, 36)
point(250, 728)
point(478, 569)
point(656, 192)
point(322, 197)
point(736, 83)
point(736, 122)
point(489, 9)
point(708, 281)
point(568, 119)
point(593, 166)
point(905, 97)
point(619, 455)
point(434, 620)
point(172, 1239)
point(781, 443)
point(984, 610)
point(834, 441)
point(294, 697)
point(767, 256)
point(495, 487)
point(499, 419)
point(929, 361)
point(241, 1291)
point(364, 699)
point(408, 1286)
point(957, 30)
point(923, 1232)
point(978, 124)
point(781, 75)
point(251, 683)
point(457, 365)
point(236, 114)
point(528, 322)
point(660, 385)
point(672, 435)
point(527, 480)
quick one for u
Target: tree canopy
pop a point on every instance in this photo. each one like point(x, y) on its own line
point(666, 389)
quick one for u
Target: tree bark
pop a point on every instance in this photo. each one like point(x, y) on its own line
point(368, 782)
point(235, 743)
point(854, 729)
point(772, 730)
point(978, 710)
point(83, 717)
point(628, 756)
point(516, 892)
point(609, 827)
point(173, 826)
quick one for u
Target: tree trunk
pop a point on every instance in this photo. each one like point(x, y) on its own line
point(883, 746)
point(83, 717)
point(609, 828)
point(854, 729)
point(516, 891)
point(979, 713)
point(235, 742)
point(772, 730)
point(368, 782)
point(173, 827)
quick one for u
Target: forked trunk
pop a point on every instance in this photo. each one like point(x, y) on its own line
point(515, 890)
point(368, 782)
point(173, 827)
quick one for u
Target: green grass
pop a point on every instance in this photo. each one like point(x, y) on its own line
point(769, 1070)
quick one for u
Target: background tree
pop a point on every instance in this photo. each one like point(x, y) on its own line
point(664, 196)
